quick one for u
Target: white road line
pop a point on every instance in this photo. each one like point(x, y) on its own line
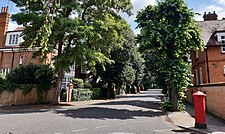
point(78, 130)
point(121, 124)
point(101, 126)
point(59, 133)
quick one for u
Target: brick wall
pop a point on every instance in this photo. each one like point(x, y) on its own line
point(215, 98)
point(18, 98)
point(7, 60)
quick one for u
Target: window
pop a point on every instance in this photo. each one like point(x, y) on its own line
point(224, 69)
point(196, 77)
point(21, 59)
point(13, 39)
point(196, 54)
point(201, 77)
point(5, 71)
point(72, 67)
point(223, 49)
point(222, 37)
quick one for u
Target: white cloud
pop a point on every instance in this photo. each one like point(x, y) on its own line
point(137, 6)
point(220, 1)
point(211, 8)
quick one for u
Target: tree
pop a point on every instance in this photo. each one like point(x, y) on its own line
point(78, 31)
point(126, 67)
point(169, 31)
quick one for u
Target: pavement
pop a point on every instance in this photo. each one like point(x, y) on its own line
point(185, 120)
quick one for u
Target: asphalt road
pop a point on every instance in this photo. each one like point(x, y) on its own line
point(131, 114)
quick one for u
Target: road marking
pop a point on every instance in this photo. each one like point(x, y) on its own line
point(101, 126)
point(121, 124)
point(59, 133)
point(78, 130)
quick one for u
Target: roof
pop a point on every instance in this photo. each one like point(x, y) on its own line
point(208, 28)
point(18, 29)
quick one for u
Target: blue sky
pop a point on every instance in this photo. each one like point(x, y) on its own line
point(199, 6)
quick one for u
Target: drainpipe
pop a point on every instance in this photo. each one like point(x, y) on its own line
point(12, 58)
point(207, 64)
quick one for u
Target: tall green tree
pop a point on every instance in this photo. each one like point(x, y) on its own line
point(126, 68)
point(77, 31)
point(169, 31)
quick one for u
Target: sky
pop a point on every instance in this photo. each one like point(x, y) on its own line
point(198, 6)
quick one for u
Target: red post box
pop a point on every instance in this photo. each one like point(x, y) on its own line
point(199, 107)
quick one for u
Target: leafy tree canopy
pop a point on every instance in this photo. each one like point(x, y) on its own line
point(76, 30)
point(169, 31)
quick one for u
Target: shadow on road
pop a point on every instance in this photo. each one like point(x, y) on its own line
point(106, 113)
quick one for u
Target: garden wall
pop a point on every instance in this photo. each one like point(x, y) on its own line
point(17, 97)
point(215, 98)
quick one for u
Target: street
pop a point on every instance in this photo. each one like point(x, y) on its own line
point(131, 114)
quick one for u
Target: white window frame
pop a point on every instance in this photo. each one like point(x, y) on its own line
point(196, 77)
point(224, 69)
point(21, 59)
point(223, 49)
point(222, 39)
point(6, 70)
point(196, 54)
point(200, 75)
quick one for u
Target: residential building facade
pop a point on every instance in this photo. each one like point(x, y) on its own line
point(208, 66)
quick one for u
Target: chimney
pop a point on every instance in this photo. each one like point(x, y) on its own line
point(210, 16)
point(4, 22)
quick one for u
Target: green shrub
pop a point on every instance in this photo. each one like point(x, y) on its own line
point(31, 74)
point(87, 85)
point(2, 78)
point(26, 76)
point(78, 82)
point(166, 106)
point(81, 94)
point(96, 93)
point(63, 94)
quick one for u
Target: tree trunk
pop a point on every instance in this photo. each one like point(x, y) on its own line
point(56, 98)
point(174, 99)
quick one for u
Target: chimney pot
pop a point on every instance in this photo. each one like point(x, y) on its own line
point(209, 13)
point(7, 9)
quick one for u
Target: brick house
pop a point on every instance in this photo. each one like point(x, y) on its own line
point(11, 54)
point(208, 66)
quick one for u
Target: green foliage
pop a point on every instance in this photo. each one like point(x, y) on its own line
point(96, 93)
point(127, 68)
point(87, 85)
point(79, 30)
point(2, 78)
point(168, 34)
point(26, 88)
point(78, 82)
point(26, 77)
point(88, 30)
point(82, 94)
point(167, 106)
point(63, 95)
